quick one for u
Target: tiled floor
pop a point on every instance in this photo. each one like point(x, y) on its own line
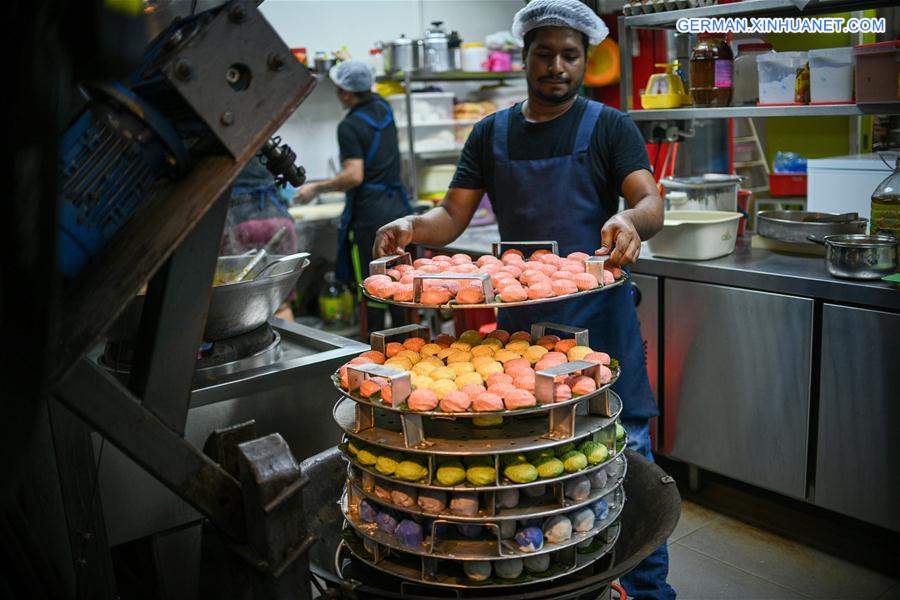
point(714, 557)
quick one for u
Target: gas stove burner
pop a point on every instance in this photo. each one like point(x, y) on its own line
point(256, 348)
point(236, 348)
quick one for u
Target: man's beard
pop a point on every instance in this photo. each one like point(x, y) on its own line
point(555, 99)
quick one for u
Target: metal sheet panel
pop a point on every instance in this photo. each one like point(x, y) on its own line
point(737, 382)
point(859, 416)
point(295, 401)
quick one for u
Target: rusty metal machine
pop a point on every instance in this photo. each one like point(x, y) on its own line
point(149, 140)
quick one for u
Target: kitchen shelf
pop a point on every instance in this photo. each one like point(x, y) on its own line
point(436, 155)
point(412, 157)
point(738, 112)
point(753, 8)
point(744, 9)
point(439, 123)
point(456, 76)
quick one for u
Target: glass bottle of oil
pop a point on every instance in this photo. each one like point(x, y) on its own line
point(886, 205)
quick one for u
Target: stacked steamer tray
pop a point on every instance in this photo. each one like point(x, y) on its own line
point(480, 498)
point(469, 493)
point(503, 279)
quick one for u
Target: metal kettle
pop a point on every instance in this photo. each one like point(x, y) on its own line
point(436, 53)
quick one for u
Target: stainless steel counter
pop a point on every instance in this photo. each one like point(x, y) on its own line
point(293, 396)
point(748, 268)
point(759, 312)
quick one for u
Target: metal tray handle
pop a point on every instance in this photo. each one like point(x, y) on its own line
point(580, 334)
point(379, 266)
point(379, 339)
point(497, 247)
point(401, 387)
point(594, 266)
point(545, 384)
point(285, 264)
point(484, 278)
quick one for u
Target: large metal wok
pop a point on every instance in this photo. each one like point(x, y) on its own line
point(234, 308)
point(649, 517)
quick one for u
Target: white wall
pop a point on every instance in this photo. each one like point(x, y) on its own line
point(357, 24)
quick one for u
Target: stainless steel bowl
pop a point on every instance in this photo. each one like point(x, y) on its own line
point(796, 225)
point(234, 308)
point(860, 256)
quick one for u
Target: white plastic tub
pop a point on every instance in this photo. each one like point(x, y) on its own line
point(696, 234)
point(778, 76)
point(428, 107)
point(831, 75)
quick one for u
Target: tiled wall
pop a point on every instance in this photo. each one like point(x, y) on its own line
point(358, 24)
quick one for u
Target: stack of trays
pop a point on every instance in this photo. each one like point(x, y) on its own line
point(448, 499)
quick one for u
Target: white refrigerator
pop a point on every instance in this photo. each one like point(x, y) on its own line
point(842, 184)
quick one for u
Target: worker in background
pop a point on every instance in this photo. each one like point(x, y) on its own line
point(258, 218)
point(370, 160)
point(554, 168)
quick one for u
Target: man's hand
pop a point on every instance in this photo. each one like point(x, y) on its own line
point(393, 238)
point(620, 237)
point(306, 193)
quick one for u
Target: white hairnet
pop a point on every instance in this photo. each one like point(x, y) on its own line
point(559, 13)
point(351, 75)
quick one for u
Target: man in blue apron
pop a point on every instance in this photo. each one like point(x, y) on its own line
point(370, 158)
point(554, 168)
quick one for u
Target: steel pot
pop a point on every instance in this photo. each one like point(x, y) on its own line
point(797, 225)
point(860, 256)
point(401, 56)
point(234, 308)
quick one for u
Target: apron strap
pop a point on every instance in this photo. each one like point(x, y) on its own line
point(396, 186)
point(378, 126)
point(582, 137)
point(501, 133)
point(586, 126)
point(265, 192)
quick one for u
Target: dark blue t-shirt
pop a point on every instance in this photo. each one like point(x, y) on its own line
point(617, 149)
point(355, 137)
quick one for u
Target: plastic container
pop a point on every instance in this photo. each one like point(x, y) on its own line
point(429, 137)
point(428, 107)
point(878, 72)
point(474, 57)
point(712, 72)
point(831, 75)
point(782, 185)
point(696, 235)
point(744, 209)
point(778, 76)
point(712, 191)
point(746, 73)
point(335, 301)
point(376, 62)
point(434, 179)
point(665, 90)
point(502, 96)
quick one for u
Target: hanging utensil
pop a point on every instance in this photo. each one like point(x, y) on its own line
point(250, 266)
point(273, 241)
